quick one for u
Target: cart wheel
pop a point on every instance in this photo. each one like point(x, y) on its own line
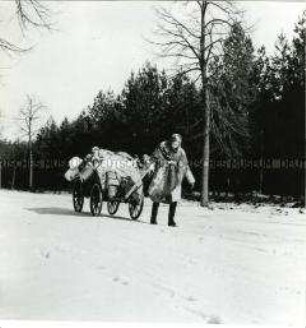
point(96, 200)
point(136, 207)
point(112, 206)
point(77, 196)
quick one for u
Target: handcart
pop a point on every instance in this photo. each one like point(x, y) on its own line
point(95, 189)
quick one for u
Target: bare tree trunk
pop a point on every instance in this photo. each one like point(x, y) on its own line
point(204, 201)
point(13, 177)
point(261, 169)
point(31, 168)
point(206, 152)
point(260, 180)
point(30, 165)
point(30, 155)
point(0, 174)
point(305, 123)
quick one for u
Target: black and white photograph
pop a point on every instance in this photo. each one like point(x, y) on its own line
point(153, 162)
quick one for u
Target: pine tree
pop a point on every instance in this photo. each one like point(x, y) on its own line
point(232, 78)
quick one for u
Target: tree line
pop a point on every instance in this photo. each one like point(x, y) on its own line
point(256, 108)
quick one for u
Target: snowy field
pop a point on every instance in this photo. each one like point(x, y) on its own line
point(232, 265)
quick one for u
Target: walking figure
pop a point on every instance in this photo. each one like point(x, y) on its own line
point(171, 166)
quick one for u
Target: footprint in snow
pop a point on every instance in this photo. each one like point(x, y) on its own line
point(192, 261)
point(45, 255)
point(191, 299)
point(122, 280)
point(215, 320)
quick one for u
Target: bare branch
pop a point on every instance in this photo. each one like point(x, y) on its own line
point(32, 13)
point(227, 7)
point(184, 42)
point(9, 47)
point(166, 16)
point(219, 21)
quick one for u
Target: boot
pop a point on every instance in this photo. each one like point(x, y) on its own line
point(172, 210)
point(154, 213)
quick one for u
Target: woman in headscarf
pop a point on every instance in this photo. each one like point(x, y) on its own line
point(171, 166)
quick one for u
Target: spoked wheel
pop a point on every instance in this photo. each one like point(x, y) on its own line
point(96, 200)
point(112, 206)
point(78, 196)
point(136, 207)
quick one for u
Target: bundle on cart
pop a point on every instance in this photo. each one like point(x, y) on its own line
point(103, 175)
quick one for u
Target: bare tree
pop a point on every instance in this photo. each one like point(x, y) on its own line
point(29, 117)
point(30, 13)
point(193, 39)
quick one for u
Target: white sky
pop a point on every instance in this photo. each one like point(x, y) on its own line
point(96, 47)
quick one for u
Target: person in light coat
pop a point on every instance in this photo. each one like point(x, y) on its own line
point(171, 166)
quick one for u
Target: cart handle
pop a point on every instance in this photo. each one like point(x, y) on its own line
point(136, 185)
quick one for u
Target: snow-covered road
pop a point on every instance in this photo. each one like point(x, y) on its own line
point(233, 264)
